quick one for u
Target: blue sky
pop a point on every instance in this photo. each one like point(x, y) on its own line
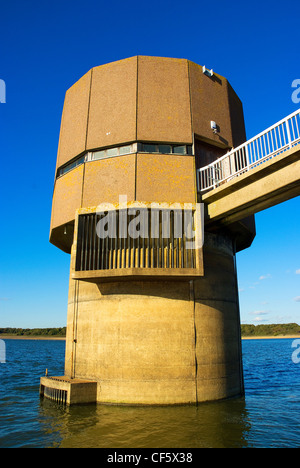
point(45, 46)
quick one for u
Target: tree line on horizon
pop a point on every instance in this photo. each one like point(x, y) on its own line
point(60, 331)
point(276, 329)
point(246, 330)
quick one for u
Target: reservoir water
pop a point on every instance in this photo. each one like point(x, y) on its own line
point(268, 415)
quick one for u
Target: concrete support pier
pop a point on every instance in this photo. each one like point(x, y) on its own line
point(159, 342)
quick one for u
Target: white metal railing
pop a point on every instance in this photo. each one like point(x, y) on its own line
point(259, 149)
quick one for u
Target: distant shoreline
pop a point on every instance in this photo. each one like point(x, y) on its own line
point(61, 338)
point(31, 337)
point(270, 337)
point(248, 332)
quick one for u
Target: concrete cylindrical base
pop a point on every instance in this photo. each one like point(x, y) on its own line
point(159, 342)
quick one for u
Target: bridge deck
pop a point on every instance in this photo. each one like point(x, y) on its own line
point(269, 184)
point(252, 154)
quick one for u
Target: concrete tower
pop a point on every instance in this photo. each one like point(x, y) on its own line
point(150, 320)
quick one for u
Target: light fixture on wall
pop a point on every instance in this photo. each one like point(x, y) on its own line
point(207, 72)
point(214, 126)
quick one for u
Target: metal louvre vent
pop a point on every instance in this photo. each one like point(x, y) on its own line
point(55, 394)
point(154, 239)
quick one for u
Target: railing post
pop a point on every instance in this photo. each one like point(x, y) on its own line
point(247, 158)
point(288, 133)
point(214, 175)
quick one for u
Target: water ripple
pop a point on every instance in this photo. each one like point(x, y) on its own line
point(266, 417)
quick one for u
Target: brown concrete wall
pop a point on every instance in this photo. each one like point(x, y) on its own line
point(72, 140)
point(149, 99)
point(166, 178)
point(236, 113)
point(67, 197)
point(142, 177)
point(112, 116)
point(212, 98)
point(106, 179)
point(164, 113)
point(159, 342)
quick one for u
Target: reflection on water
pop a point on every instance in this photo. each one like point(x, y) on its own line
point(219, 424)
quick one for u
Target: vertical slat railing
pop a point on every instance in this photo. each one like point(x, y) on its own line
point(259, 149)
point(165, 245)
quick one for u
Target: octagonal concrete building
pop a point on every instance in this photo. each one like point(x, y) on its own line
point(151, 320)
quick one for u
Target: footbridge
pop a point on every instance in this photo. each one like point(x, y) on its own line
point(259, 174)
